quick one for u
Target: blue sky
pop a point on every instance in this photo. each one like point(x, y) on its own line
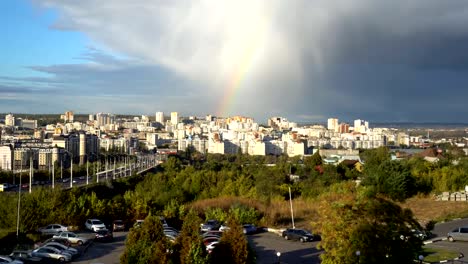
point(304, 60)
point(28, 40)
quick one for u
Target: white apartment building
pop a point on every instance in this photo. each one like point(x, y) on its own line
point(275, 147)
point(174, 118)
point(6, 158)
point(198, 144)
point(361, 126)
point(215, 146)
point(9, 120)
point(332, 124)
point(160, 117)
point(295, 148)
point(256, 147)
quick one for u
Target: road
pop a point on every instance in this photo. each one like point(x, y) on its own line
point(441, 230)
point(266, 245)
point(101, 252)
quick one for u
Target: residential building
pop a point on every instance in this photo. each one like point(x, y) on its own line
point(9, 120)
point(160, 117)
point(332, 124)
point(68, 117)
point(28, 123)
point(6, 158)
point(174, 118)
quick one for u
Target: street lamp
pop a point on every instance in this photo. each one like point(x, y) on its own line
point(421, 257)
point(278, 254)
point(358, 254)
point(71, 168)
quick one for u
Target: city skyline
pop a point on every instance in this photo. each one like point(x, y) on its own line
point(307, 61)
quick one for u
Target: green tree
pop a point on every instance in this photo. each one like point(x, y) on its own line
point(233, 246)
point(146, 244)
point(377, 227)
point(189, 243)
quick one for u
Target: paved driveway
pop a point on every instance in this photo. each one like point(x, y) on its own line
point(266, 245)
point(101, 252)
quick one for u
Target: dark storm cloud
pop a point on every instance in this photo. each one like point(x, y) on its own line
point(377, 60)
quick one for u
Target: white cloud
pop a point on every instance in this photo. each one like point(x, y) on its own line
point(278, 49)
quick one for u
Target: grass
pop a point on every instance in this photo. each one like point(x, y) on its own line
point(426, 208)
point(438, 254)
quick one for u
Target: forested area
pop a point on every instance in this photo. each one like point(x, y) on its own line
point(250, 190)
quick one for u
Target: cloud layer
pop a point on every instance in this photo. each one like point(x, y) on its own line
point(379, 60)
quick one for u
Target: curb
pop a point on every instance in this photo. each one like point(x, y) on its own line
point(434, 240)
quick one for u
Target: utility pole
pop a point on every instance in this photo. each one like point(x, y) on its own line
point(53, 175)
point(30, 173)
point(87, 171)
point(19, 202)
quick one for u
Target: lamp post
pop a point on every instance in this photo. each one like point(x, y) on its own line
point(19, 203)
point(71, 167)
point(278, 254)
point(421, 258)
point(358, 255)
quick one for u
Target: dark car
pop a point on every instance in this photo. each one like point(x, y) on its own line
point(118, 225)
point(62, 241)
point(104, 235)
point(25, 257)
point(297, 234)
point(210, 225)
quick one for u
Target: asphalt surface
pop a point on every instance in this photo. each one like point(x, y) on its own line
point(104, 252)
point(441, 230)
point(266, 246)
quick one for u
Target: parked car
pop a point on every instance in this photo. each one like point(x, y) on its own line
point(459, 233)
point(95, 225)
point(72, 251)
point(138, 223)
point(6, 259)
point(51, 253)
point(5, 186)
point(72, 237)
point(297, 234)
point(118, 225)
point(25, 256)
point(104, 235)
point(210, 225)
point(419, 234)
point(249, 229)
point(210, 247)
point(52, 229)
point(224, 227)
point(62, 241)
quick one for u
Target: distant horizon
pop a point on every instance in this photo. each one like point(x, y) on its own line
point(324, 122)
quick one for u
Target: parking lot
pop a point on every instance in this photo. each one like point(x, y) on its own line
point(108, 253)
point(266, 245)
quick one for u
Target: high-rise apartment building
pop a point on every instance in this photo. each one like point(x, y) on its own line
point(160, 117)
point(6, 158)
point(103, 119)
point(361, 126)
point(68, 117)
point(174, 118)
point(9, 120)
point(332, 124)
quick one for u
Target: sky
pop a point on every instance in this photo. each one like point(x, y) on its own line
point(386, 61)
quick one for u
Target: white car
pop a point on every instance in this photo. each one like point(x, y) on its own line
point(95, 225)
point(211, 246)
point(6, 259)
point(61, 247)
point(50, 252)
point(72, 237)
point(52, 229)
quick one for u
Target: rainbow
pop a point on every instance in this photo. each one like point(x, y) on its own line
point(249, 55)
